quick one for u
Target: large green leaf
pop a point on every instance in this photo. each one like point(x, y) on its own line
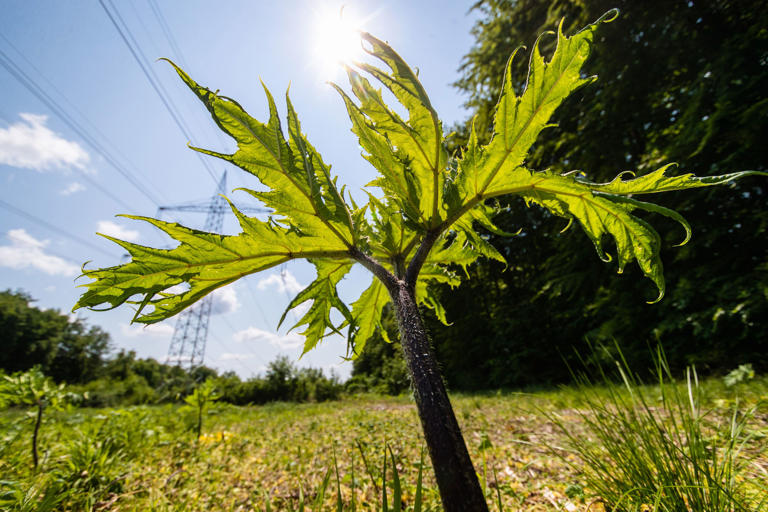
point(603, 210)
point(520, 119)
point(410, 155)
point(324, 296)
point(301, 191)
point(205, 261)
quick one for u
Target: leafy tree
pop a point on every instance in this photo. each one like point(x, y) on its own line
point(279, 378)
point(34, 389)
point(80, 354)
point(686, 83)
point(411, 237)
point(66, 350)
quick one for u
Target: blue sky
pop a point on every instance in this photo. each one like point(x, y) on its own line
point(63, 161)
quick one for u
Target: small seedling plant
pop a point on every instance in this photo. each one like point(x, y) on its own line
point(32, 388)
point(417, 229)
point(199, 401)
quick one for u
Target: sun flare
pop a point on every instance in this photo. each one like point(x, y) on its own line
point(337, 41)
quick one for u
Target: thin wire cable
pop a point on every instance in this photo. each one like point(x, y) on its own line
point(256, 302)
point(178, 54)
point(167, 32)
point(21, 213)
point(107, 145)
point(247, 346)
point(283, 272)
point(234, 354)
point(149, 73)
point(52, 104)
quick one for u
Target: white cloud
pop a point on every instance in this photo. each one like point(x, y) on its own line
point(72, 188)
point(224, 301)
point(26, 251)
point(32, 145)
point(136, 330)
point(282, 282)
point(254, 334)
point(110, 228)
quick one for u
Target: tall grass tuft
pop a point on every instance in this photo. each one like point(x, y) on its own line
point(654, 448)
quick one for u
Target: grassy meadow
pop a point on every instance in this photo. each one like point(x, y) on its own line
point(301, 456)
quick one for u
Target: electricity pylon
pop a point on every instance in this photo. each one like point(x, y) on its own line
point(191, 333)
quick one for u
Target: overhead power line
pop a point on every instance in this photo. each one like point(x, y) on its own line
point(32, 86)
point(178, 55)
point(21, 213)
point(108, 149)
point(133, 46)
point(167, 33)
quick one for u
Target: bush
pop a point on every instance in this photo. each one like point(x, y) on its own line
point(133, 390)
point(283, 382)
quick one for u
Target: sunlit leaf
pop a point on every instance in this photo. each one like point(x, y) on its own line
point(204, 261)
point(322, 292)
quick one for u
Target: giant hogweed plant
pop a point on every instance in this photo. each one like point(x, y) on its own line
point(413, 235)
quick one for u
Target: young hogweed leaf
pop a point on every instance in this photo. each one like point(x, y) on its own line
point(302, 191)
point(601, 209)
point(520, 119)
point(397, 180)
point(484, 172)
point(412, 152)
point(322, 292)
point(392, 231)
point(205, 261)
point(366, 313)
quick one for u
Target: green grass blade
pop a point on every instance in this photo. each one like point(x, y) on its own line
point(384, 506)
point(417, 500)
point(353, 499)
point(367, 466)
point(317, 505)
point(397, 491)
point(498, 490)
point(301, 498)
point(339, 502)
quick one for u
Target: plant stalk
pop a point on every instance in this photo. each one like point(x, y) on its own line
point(38, 420)
point(199, 421)
point(456, 477)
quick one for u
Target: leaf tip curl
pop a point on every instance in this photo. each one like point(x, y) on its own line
point(657, 299)
point(609, 16)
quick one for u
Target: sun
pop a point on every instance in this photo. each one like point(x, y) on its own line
point(336, 41)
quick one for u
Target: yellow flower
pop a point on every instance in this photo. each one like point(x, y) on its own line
point(216, 437)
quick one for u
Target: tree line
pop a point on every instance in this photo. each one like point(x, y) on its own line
point(71, 352)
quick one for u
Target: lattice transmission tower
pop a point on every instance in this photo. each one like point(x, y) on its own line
point(187, 346)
